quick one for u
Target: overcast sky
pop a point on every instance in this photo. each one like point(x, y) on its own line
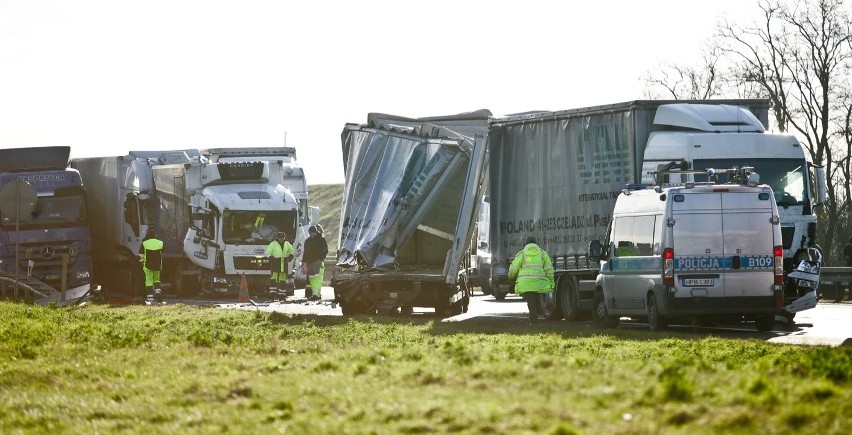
point(109, 76)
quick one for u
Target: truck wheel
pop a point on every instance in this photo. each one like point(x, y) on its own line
point(568, 299)
point(765, 323)
point(600, 314)
point(656, 321)
point(550, 308)
point(485, 286)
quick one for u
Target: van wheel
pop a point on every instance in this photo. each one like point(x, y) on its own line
point(600, 314)
point(765, 323)
point(568, 299)
point(656, 321)
point(550, 308)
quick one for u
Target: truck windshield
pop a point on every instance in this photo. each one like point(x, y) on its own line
point(68, 210)
point(787, 177)
point(257, 227)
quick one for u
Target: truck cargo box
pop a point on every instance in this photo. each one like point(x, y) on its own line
point(407, 215)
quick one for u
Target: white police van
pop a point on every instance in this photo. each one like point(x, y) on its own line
point(691, 252)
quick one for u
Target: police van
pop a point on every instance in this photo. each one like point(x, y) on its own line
point(697, 251)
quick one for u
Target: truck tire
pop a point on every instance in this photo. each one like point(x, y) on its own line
point(656, 321)
point(550, 307)
point(485, 285)
point(353, 308)
point(568, 298)
point(765, 323)
point(600, 315)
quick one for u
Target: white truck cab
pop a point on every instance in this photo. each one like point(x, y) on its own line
point(695, 251)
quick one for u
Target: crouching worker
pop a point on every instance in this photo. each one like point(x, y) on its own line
point(151, 256)
point(313, 262)
point(533, 274)
point(279, 252)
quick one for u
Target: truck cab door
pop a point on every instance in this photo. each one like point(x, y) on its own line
point(200, 241)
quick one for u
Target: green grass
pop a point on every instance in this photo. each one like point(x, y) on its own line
point(329, 199)
point(180, 369)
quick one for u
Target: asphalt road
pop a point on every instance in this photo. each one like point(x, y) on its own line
point(828, 324)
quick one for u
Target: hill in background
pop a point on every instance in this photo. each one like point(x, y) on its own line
point(329, 198)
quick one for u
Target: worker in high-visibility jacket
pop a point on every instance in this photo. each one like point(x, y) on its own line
point(151, 256)
point(532, 271)
point(279, 252)
point(313, 261)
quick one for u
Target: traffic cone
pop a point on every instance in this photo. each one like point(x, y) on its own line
point(244, 294)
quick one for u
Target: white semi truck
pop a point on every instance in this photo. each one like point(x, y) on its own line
point(216, 219)
point(292, 177)
point(556, 175)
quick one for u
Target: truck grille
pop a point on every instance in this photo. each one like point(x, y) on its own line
point(251, 263)
point(787, 234)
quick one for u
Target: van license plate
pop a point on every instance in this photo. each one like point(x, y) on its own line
point(698, 282)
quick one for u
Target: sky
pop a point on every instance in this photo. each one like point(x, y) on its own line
point(106, 77)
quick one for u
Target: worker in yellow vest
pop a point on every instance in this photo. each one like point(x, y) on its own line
point(532, 271)
point(279, 252)
point(151, 256)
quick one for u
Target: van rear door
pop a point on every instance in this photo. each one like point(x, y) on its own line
point(699, 256)
point(748, 236)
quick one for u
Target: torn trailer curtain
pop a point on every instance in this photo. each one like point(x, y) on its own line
point(401, 186)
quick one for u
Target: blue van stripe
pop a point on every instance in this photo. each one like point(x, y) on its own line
point(718, 262)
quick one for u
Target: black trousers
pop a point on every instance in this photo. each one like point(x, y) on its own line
point(533, 304)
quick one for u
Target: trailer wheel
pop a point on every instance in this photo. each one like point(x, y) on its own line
point(550, 308)
point(765, 323)
point(656, 321)
point(568, 298)
point(485, 285)
point(353, 308)
point(498, 292)
point(600, 315)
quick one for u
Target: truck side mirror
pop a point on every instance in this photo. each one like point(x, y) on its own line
point(822, 191)
point(315, 214)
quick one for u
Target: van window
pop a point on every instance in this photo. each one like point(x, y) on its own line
point(658, 234)
point(643, 234)
point(622, 235)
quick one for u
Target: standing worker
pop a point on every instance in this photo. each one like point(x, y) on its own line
point(313, 262)
point(533, 274)
point(280, 252)
point(151, 256)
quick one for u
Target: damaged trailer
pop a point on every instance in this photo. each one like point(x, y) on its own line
point(411, 193)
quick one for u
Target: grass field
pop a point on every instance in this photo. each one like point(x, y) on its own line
point(181, 369)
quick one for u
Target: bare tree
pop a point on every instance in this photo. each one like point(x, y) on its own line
point(679, 82)
point(798, 55)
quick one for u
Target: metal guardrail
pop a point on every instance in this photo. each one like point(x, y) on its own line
point(834, 281)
